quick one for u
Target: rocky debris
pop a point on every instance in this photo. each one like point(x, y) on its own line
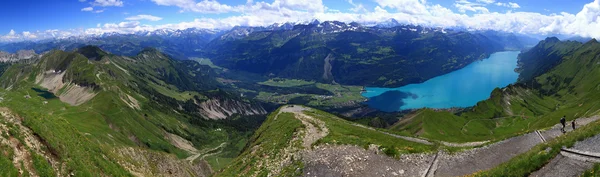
point(224, 108)
point(73, 94)
point(591, 144)
point(142, 162)
point(130, 101)
point(571, 162)
point(23, 149)
point(471, 161)
point(314, 129)
point(19, 56)
point(564, 167)
point(180, 142)
point(487, 157)
point(347, 160)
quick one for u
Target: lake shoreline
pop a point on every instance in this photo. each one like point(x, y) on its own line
point(459, 89)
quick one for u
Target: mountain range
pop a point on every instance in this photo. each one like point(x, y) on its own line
point(274, 101)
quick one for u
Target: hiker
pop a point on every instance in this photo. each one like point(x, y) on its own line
point(563, 121)
point(573, 124)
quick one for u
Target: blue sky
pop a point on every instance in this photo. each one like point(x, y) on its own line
point(77, 17)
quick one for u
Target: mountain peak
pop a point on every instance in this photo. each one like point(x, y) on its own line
point(552, 39)
point(92, 52)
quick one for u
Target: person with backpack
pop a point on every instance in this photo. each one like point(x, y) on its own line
point(563, 121)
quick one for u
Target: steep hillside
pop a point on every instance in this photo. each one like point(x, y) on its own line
point(347, 53)
point(89, 112)
point(565, 86)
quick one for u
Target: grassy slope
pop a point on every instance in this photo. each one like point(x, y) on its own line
point(569, 89)
point(85, 137)
point(575, 81)
point(274, 135)
point(344, 132)
point(277, 133)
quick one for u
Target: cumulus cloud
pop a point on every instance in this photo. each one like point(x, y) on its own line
point(87, 9)
point(509, 5)
point(106, 3)
point(418, 12)
point(143, 17)
point(464, 6)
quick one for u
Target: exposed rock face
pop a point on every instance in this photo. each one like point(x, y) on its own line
point(72, 94)
point(224, 108)
point(19, 56)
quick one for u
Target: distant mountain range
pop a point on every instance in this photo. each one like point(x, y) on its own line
point(386, 54)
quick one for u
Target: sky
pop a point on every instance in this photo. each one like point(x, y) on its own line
point(42, 19)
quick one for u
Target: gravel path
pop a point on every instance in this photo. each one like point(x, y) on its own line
point(314, 131)
point(554, 131)
point(570, 162)
point(349, 160)
point(471, 161)
point(484, 158)
point(591, 144)
point(564, 167)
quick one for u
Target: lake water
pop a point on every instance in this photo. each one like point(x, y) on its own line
point(461, 88)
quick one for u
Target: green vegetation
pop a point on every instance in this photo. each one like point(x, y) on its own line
point(537, 157)
point(267, 146)
point(401, 55)
point(135, 102)
point(286, 82)
point(344, 132)
point(8, 169)
point(568, 89)
point(323, 96)
point(42, 167)
point(594, 172)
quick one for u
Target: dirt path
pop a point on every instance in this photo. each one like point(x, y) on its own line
point(205, 153)
point(573, 161)
point(347, 160)
point(315, 129)
point(487, 157)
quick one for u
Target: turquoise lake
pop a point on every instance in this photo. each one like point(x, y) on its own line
point(461, 88)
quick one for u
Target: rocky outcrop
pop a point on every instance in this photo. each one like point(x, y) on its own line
point(21, 55)
point(70, 93)
point(224, 108)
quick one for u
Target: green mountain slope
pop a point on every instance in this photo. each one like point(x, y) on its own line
point(402, 55)
point(92, 113)
point(279, 146)
point(565, 87)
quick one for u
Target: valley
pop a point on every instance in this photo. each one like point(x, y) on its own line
point(323, 98)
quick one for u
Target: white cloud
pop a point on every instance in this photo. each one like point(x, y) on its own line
point(464, 6)
point(106, 3)
point(357, 7)
point(143, 17)
point(486, 1)
point(87, 9)
point(413, 7)
point(509, 5)
point(418, 12)
point(213, 6)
